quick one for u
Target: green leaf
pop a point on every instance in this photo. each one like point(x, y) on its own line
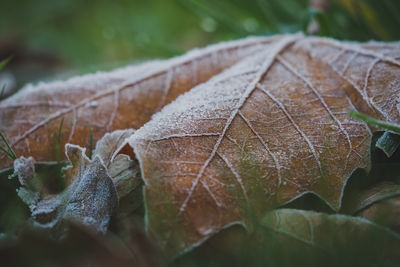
point(341, 236)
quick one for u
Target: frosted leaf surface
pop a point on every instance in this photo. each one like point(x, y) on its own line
point(269, 129)
point(24, 168)
point(121, 99)
point(116, 155)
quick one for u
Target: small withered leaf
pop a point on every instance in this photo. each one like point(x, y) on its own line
point(94, 189)
point(90, 199)
point(93, 197)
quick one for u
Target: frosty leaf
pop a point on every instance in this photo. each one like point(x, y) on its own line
point(267, 130)
point(111, 144)
point(24, 168)
point(91, 198)
point(94, 186)
point(336, 234)
point(122, 169)
point(125, 98)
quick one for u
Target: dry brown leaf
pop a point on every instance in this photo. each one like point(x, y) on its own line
point(267, 130)
point(122, 99)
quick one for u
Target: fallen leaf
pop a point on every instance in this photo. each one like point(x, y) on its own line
point(265, 131)
point(125, 98)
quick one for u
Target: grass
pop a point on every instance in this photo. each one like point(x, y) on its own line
point(7, 149)
point(381, 124)
point(3, 63)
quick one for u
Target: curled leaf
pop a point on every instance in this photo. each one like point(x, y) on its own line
point(91, 198)
point(95, 186)
point(123, 169)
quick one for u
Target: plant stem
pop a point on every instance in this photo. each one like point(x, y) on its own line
point(381, 124)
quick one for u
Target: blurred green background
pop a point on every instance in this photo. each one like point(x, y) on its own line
point(49, 37)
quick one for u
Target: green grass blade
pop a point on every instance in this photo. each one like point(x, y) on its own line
point(4, 62)
point(381, 124)
point(6, 152)
point(11, 152)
